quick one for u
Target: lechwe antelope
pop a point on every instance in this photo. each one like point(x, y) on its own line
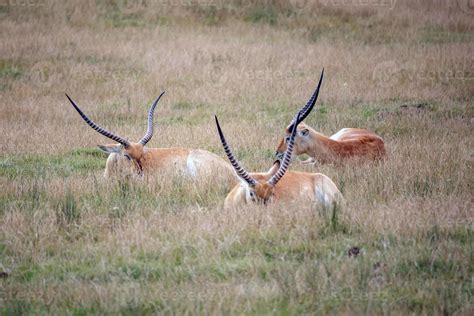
point(278, 184)
point(135, 159)
point(347, 143)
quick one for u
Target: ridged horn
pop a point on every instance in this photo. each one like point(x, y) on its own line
point(228, 151)
point(305, 110)
point(285, 163)
point(149, 131)
point(99, 129)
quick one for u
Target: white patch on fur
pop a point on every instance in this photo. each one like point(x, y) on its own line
point(191, 167)
point(323, 197)
point(339, 134)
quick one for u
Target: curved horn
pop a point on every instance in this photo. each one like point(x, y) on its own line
point(237, 167)
point(149, 132)
point(309, 106)
point(285, 163)
point(99, 129)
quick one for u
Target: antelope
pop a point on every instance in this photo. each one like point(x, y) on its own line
point(347, 143)
point(134, 158)
point(278, 184)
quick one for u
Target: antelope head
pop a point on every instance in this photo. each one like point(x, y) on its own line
point(303, 134)
point(125, 153)
point(259, 188)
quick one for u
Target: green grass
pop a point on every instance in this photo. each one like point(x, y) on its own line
point(437, 35)
point(82, 161)
point(10, 70)
point(262, 15)
point(288, 265)
point(270, 258)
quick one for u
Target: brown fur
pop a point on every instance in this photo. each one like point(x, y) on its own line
point(353, 142)
point(293, 187)
point(147, 161)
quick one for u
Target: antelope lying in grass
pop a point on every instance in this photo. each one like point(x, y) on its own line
point(128, 157)
point(278, 184)
point(347, 143)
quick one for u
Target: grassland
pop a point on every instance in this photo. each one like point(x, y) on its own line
point(72, 242)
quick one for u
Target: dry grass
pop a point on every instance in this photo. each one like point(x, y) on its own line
point(74, 243)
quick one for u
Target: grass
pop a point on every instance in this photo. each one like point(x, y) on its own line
point(37, 165)
point(72, 242)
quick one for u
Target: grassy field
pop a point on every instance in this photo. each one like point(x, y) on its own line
point(72, 242)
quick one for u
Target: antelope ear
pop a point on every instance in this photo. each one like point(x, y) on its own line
point(110, 149)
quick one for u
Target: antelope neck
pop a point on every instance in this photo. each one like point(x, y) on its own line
point(323, 147)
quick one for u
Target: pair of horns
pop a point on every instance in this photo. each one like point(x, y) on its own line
point(145, 139)
point(243, 174)
point(300, 116)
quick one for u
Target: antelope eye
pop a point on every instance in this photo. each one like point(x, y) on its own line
point(252, 196)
